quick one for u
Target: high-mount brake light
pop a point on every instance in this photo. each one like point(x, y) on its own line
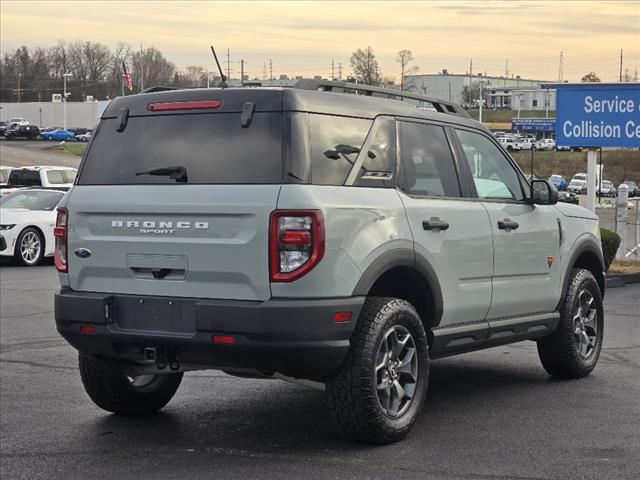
point(191, 105)
point(60, 234)
point(296, 243)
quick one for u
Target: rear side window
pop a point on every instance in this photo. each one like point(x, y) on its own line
point(427, 161)
point(212, 149)
point(379, 165)
point(25, 178)
point(54, 177)
point(69, 176)
point(335, 144)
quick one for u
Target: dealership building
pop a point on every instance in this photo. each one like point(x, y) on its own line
point(512, 93)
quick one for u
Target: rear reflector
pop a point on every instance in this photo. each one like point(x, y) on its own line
point(87, 329)
point(341, 317)
point(222, 339)
point(196, 105)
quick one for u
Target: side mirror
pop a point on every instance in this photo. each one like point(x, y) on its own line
point(543, 192)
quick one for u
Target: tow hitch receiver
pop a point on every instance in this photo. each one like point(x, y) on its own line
point(162, 356)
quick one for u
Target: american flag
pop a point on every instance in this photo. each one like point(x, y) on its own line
point(127, 77)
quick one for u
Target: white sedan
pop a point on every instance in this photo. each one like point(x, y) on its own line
point(27, 219)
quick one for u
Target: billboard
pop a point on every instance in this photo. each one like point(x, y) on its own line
point(598, 115)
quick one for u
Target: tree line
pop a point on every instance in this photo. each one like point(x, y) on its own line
point(35, 74)
point(30, 75)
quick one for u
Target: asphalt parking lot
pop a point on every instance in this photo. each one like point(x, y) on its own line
point(489, 415)
point(21, 152)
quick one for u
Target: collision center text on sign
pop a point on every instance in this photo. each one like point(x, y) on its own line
point(598, 116)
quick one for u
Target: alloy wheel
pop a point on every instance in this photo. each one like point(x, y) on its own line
point(585, 324)
point(396, 371)
point(30, 247)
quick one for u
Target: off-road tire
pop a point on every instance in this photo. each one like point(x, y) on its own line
point(351, 391)
point(558, 352)
point(110, 389)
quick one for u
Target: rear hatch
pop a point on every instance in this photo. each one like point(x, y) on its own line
point(176, 202)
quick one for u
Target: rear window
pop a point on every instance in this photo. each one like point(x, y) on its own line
point(212, 148)
point(26, 178)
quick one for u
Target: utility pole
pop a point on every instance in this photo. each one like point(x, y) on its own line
point(635, 74)
point(270, 72)
point(470, 80)
point(64, 96)
point(333, 75)
point(561, 67)
point(242, 73)
point(142, 71)
point(264, 71)
point(228, 64)
point(480, 115)
point(340, 70)
point(18, 72)
point(620, 65)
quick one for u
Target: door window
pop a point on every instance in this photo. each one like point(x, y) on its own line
point(493, 174)
point(427, 161)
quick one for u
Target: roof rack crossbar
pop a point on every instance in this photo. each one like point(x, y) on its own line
point(441, 106)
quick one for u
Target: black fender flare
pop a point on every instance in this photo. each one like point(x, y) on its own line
point(403, 257)
point(582, 245)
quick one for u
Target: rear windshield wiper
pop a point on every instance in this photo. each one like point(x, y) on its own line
point(179, 174)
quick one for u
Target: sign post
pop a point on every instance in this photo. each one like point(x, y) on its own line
point(592, 115)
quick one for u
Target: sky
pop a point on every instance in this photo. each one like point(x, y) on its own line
point(303, 37)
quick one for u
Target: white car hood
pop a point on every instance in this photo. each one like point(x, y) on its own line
point(575, 211)
point(17, 216)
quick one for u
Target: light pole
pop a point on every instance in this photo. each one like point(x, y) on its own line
point(64, 96)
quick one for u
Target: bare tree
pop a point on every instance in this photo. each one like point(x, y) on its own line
point(365, 66)
point(590, 77)
point(404, 58)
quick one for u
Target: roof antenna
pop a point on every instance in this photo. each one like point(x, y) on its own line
point(223, 83)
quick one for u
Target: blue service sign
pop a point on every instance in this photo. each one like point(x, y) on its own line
point(591, 115)
point(533, 124)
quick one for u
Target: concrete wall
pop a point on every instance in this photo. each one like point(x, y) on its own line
point(49, 114)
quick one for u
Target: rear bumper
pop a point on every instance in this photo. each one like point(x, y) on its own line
point(295, 337)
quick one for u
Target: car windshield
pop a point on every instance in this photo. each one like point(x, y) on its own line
point(555, 178)
point(580, 177)
point(32, 200)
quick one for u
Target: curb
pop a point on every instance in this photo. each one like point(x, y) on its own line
point(621, 279)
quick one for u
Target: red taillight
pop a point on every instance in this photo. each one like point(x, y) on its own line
point(222, 339)
point(195, 105)
point(87, 329)
point(296, 243)
point(60, 234)
point(341, 317)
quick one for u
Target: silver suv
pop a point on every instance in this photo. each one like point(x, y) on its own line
point(313, 234)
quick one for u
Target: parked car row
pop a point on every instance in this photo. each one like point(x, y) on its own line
point(20, 128)
point(515, 142)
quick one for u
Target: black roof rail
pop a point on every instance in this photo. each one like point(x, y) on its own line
point(158, 89)
point(441, 106)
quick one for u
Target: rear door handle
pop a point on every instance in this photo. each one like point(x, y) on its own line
point(435, 224)
point(507, 224)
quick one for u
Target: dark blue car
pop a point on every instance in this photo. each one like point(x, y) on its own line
point(559, 182)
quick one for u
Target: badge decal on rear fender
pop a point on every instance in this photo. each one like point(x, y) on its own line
point(82, 252)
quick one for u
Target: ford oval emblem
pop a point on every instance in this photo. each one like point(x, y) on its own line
point(82, 252)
